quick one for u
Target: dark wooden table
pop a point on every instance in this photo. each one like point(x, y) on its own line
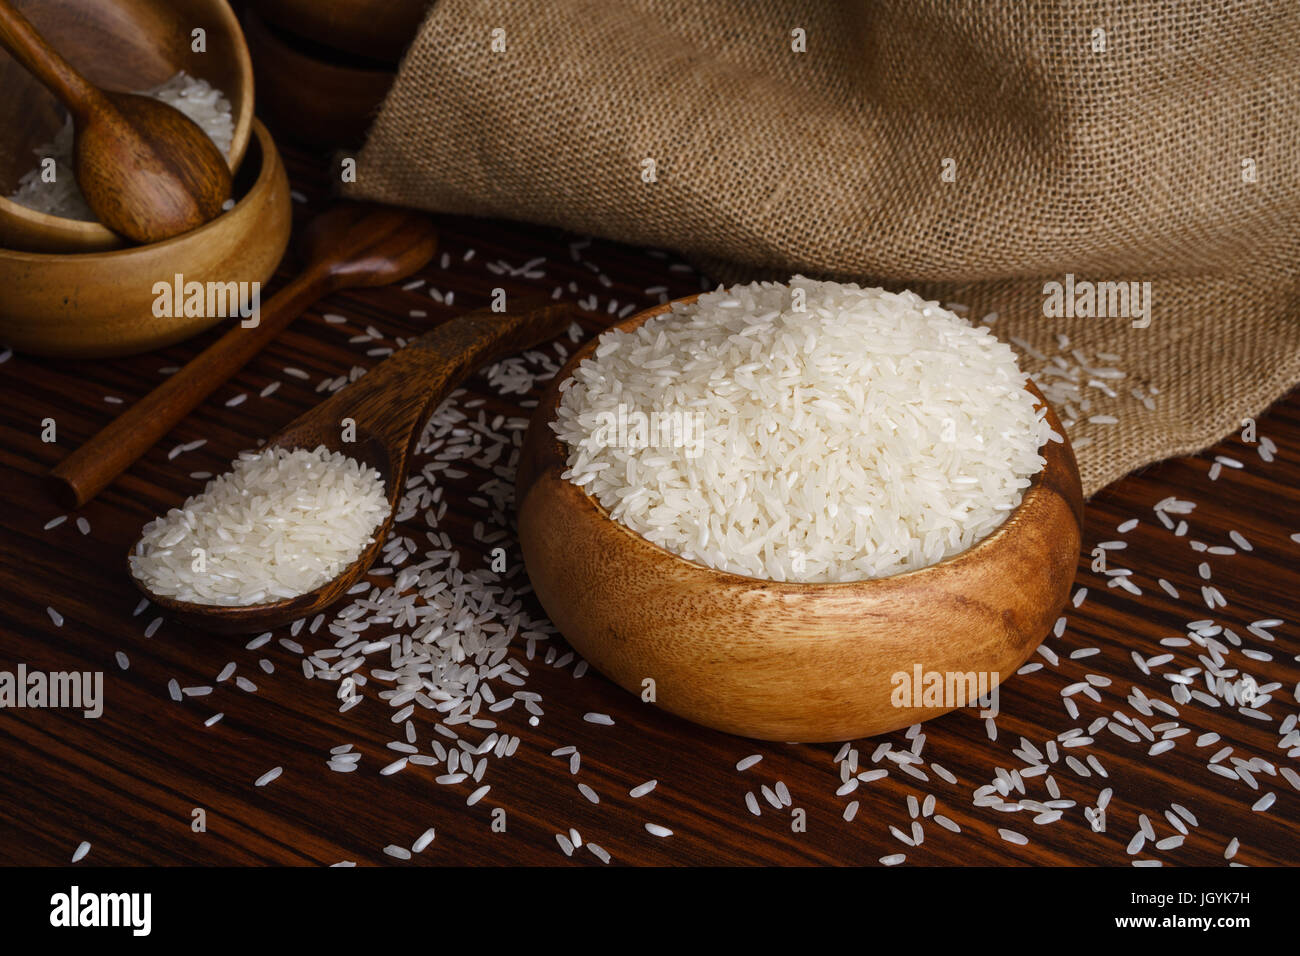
point(130, 781)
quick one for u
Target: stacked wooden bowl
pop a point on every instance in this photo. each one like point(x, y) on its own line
point(73, 288)
point(324, 68)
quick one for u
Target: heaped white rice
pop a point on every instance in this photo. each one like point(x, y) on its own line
point(198, 99)
point(279, 524)
point(868, 434)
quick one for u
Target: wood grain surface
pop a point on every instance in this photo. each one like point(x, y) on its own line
point(129, 781)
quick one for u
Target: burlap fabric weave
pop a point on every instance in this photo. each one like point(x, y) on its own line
point(1165, 153)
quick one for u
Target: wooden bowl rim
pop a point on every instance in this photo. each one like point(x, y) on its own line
point(327, 27)
point(79, 233)
point(1059, 461)
point(265, 173)
point(266, 34)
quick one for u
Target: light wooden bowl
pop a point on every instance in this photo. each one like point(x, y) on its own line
point(99, 304)
point(380, 29)
point(789, 662)
point(317, 101)
point(125, 45)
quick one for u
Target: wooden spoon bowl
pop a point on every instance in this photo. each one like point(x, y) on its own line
point(782, 661)
point(249, 619)
point(125, 45)
point(389, 406)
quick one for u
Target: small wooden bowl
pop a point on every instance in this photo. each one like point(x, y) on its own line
point(779, 661)
point(316, 101)
point(380, 29)
point(125, 45)
point(99, 304)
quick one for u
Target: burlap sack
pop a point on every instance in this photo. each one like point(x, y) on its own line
point(1112, 140)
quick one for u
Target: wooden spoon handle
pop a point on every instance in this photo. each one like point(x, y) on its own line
point(350, 245)
point(90, 468)
point(19, 37)
point(391, 400)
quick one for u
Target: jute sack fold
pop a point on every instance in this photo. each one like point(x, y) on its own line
point(972, 151)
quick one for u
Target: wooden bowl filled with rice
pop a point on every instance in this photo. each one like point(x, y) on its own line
point(188, 53)
point(126, 301)
point(803, 512)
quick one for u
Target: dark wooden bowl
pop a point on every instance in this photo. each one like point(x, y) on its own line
point(124, 45)
point(380, 29)
point(779, 661)
point(313, 100)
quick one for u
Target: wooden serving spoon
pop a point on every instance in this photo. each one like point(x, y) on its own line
point(351, 245)
point(146, 169)
point(389, 406)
